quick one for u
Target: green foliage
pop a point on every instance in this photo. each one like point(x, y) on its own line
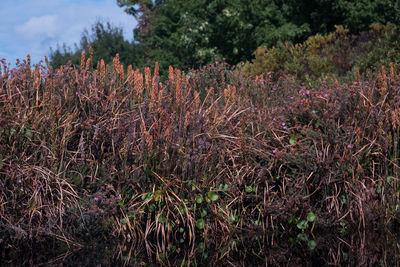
point(189, 33)
point(336, 53)
point(106, 41)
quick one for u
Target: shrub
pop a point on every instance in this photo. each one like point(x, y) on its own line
point(337, 53)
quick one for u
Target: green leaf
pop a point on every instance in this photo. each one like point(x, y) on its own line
point(223, 187)
point(147, 196)
point(311, 217)
point(203, 213)
point(249, 189)
point(312, 244)
point(199, 199)
point(162, 219)
point(121, 203)
point(389, 179)
point(292, 140)
point(302, 225)
point(212, 195)
point(182, 209)
point(200, 224)
point(124, 221)
point(343, 199)
point(201, 247)
point(302, 237)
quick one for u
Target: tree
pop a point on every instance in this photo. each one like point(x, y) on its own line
point(188, 33)
point(106, 42)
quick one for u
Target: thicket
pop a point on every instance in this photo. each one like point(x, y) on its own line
point(87, 154)
point(338, 54)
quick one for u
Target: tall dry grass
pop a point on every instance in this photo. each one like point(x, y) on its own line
point(88, 153)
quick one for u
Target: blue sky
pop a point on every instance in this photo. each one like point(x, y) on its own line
point(33, 26)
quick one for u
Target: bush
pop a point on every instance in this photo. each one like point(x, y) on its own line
point(337, 53)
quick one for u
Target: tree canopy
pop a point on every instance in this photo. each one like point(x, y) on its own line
point(189, 33)
point(106, 41)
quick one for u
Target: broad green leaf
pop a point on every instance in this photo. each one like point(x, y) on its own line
point(312, 244)
point(200, 224)
point(203, 213)
point(302, 225)
point(199, 199)
point(311, 217)
point(212, 195)
point(292, 140)
point(302, 237)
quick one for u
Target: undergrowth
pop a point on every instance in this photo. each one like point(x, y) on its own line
point(91, 153)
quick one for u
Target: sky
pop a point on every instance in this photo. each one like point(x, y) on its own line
point(33, 26)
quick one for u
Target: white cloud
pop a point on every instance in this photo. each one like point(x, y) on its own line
point(39, 28)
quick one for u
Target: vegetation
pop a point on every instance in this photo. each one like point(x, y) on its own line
point(189, 34)
point(336, 54)
point(87, 153)
point(194, 32)
point(301, 139)
point(105, 41)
